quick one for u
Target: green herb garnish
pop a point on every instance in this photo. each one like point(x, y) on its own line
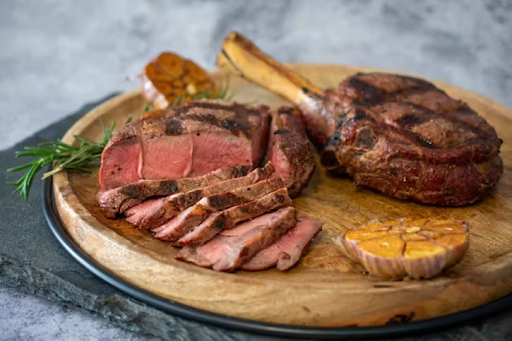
point(65, 156)
point(77, 158)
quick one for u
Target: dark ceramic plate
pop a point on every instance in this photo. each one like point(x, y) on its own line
point(399, 329)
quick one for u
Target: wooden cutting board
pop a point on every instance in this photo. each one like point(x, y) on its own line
point(324, 289)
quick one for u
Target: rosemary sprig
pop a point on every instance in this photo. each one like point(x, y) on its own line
point(77, 158)
point(222, 93)
point(65, 156)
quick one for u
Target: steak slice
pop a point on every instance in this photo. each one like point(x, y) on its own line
point(227, 253)
point(195, 215)
point(161, 210)
point(190, 140)
point(227, 219)
point(286, 252)
point(120, 199)
point(289, 150)
point(241, 195)
point(182, 223)
point(406, 138)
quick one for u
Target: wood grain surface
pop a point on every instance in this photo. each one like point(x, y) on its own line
point(324, 289)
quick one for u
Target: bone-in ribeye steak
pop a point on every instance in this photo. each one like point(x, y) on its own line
point(406, 138)
point(190, 140)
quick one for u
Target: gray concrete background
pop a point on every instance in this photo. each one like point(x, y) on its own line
point(57, 55)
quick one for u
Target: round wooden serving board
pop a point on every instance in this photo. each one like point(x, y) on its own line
point(324, 289)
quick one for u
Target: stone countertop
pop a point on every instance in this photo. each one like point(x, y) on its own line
point(58, 55)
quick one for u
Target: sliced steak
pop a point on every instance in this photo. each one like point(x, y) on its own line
point(190, 140)
point(188, 219)
point(241, 195)
point(163, 209)
point(286, 252)
point(120, 199)
point(227, 219)
point(227, 253)
point(182, 223)
point(290, 150)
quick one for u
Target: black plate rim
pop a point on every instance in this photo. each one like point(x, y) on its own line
point(238, 324)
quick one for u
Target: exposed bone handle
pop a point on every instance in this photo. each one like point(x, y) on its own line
point(239, 55)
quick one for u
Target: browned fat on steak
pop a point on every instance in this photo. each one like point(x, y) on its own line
point(156, 212)
point(289, 149)
point(406, 138)
point(178, 226)
point(190, 140)
point(120, 199)
point(229, 252)
point(286, 252)
point(228, 218)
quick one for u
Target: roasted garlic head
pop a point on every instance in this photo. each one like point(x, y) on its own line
point(414, 248)
point(170, 78)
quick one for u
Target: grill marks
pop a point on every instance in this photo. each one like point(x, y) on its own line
point(190, 140)
point(239, 123)
point(405, 138)
point(370, 99)
point(173, 127)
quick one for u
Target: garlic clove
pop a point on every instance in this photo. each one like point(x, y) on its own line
point(424, 259)
point(380, 256)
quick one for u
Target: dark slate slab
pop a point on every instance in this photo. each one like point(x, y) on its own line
point(32, 260)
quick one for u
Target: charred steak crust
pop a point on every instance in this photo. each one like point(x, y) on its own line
point(161, 210)
point(406, 138)
point(228, 218)
point(189, 135)
point(290, 149)
point(120, 199)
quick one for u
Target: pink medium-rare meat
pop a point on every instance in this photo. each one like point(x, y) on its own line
point(182, 223)
point(163, 209)
point(120, 160)
point(120, 199)
point(228, 253)
point(188, 219)
point(286, 251)
point(228, 218)
point(290, 150)
point(190, 140)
